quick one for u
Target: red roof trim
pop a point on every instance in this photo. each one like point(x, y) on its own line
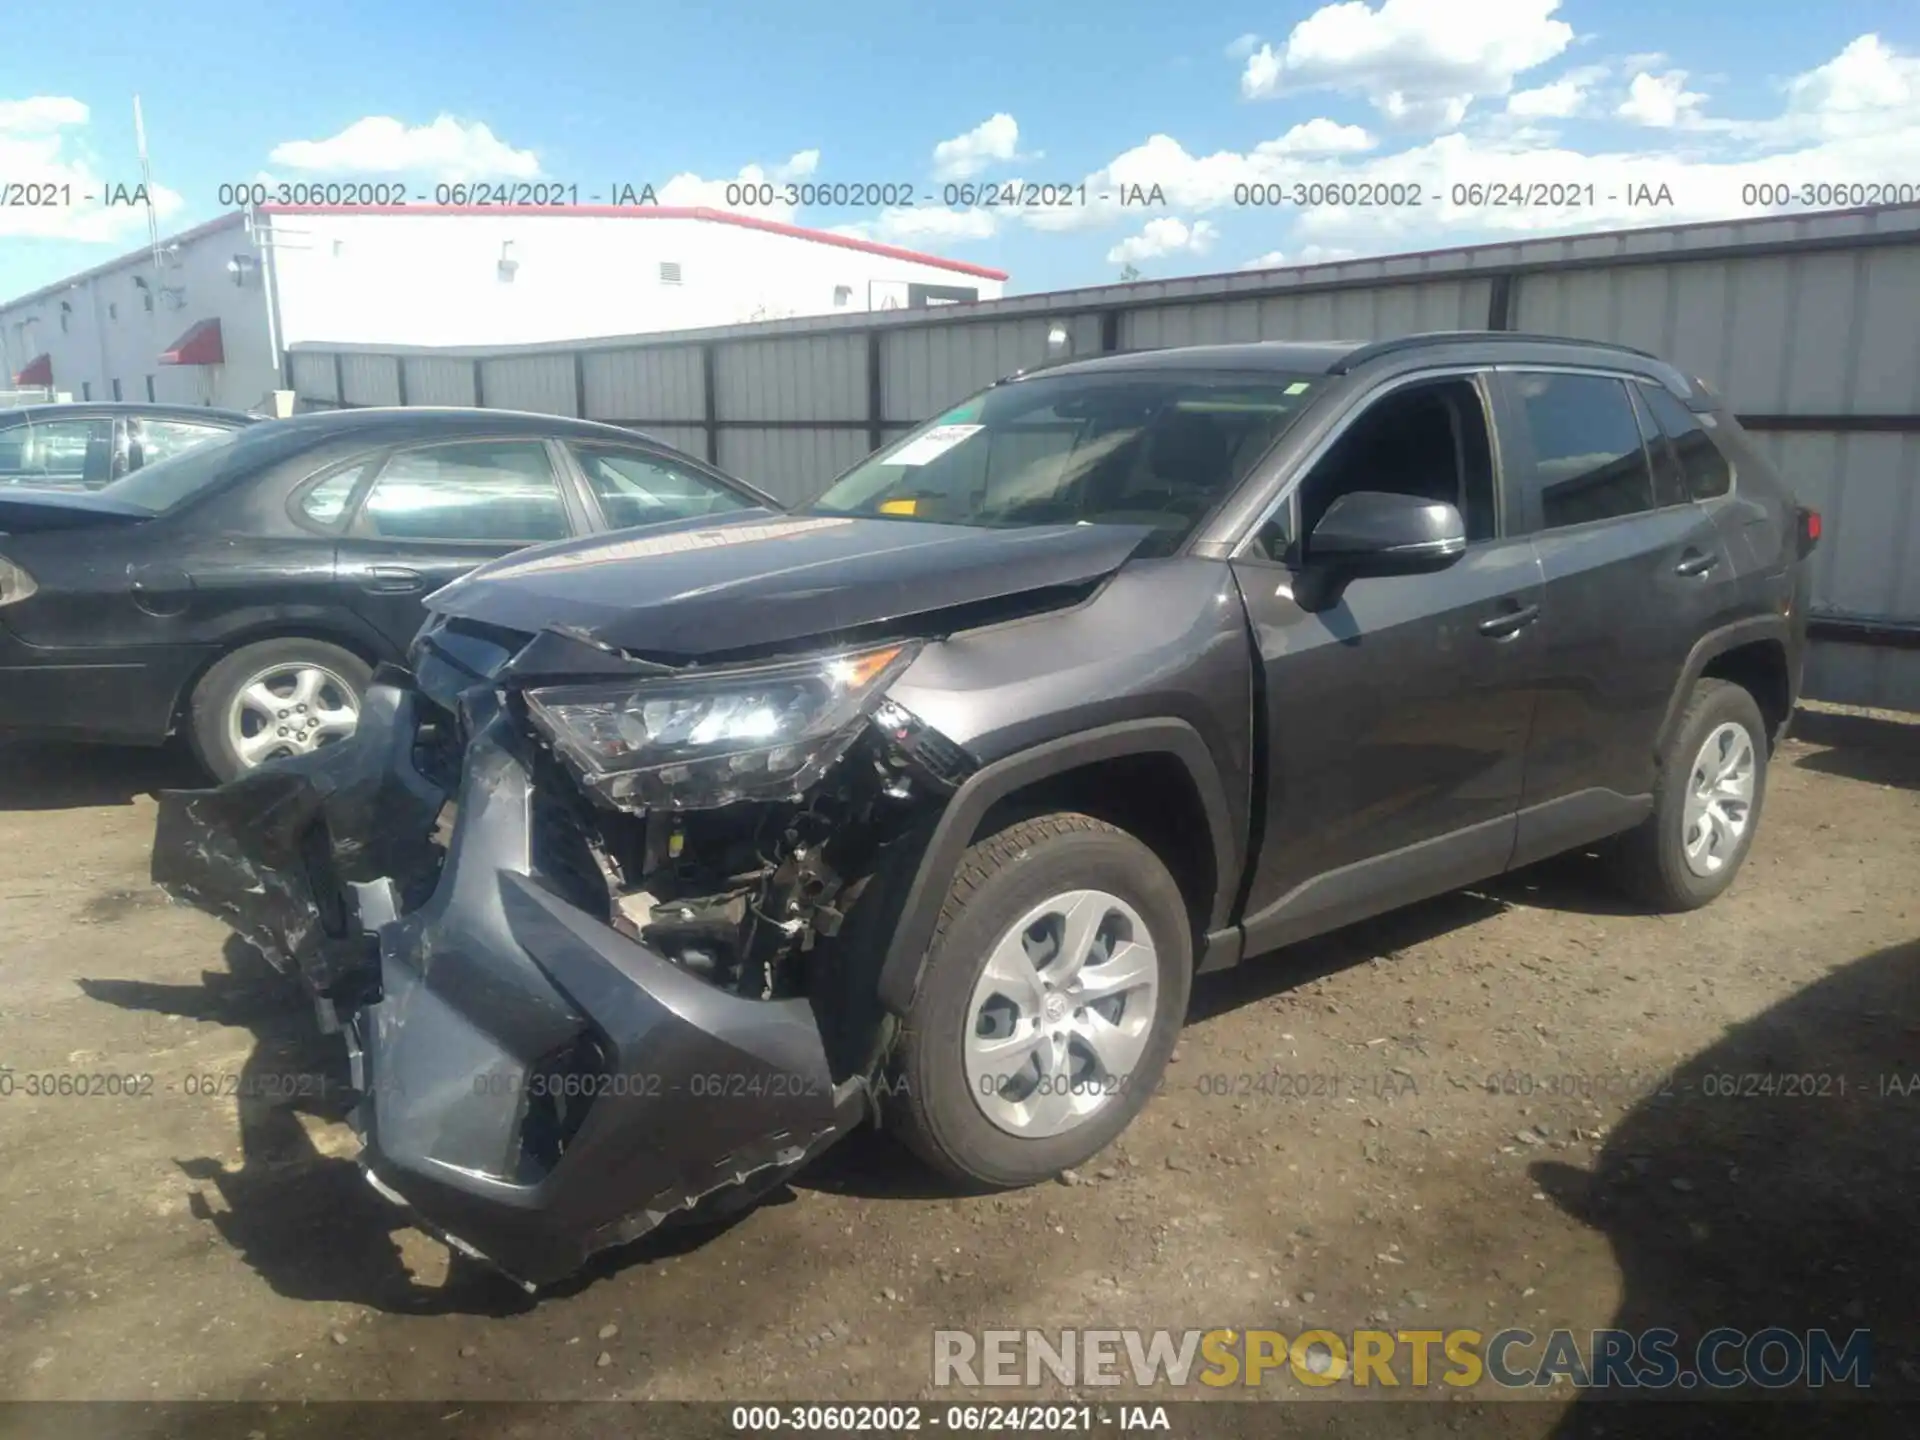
point(37, 371)
point(655, 212)
point(199, 346)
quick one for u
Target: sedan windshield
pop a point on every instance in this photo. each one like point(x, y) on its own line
point(1103, 448)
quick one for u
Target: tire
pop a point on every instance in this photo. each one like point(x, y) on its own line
point(1652, 860)
point(940, 1107)
point(343, 676)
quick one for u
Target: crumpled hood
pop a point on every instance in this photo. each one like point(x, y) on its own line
point(688, 589)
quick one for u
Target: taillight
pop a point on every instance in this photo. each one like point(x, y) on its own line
point(1809, 530)
point(15, 583)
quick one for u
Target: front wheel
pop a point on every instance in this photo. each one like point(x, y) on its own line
point(286, 696)
point(1055, 988)
point(1713, 779)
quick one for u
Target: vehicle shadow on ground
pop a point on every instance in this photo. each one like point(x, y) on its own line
point(44, 775)
point(1729, 1206)
point(1860, 747)
point(872, 1166)
point(306, 1220)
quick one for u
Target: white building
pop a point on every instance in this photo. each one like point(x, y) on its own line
point(207, 319)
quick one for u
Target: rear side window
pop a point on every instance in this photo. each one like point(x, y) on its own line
point(1669, 485)
point(163, 439)
point(1589, 463)
point(636, 487)
point(494, 490)
point(1701, 463)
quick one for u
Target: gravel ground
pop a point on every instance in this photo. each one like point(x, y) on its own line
point(180, 1246)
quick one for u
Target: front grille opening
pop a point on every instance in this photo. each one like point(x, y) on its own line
point(561, 1089)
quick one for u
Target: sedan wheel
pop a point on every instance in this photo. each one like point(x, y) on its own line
point(272, 700)
point(290, 709)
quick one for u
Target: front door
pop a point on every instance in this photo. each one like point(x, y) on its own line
point(1397, 716)
point(436, 511)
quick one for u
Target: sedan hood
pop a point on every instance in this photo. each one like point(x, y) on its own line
point(686, 590)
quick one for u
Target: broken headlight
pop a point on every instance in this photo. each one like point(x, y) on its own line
point(708, 738)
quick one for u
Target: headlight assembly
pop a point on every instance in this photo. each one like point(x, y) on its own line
point(708, 738)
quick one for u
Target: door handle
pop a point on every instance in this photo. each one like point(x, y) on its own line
point(1696, 562)
point(1509, 622)
point(391, 579)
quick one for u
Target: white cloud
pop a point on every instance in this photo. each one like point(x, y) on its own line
point(447, 149)
point(690, 189)
point(1853, 120)
point(1420, 62)
point(43, 142)
point(994, 141)
point(38, 114)
point(1660, 101)
point(1319, 137)
point(1243, 47)
point(1560, 99)
point(1167, 235)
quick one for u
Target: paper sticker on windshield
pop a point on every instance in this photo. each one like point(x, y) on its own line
point(1299, 387)
point(925, 449)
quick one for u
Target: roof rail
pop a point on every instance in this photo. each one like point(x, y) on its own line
point(1446, 337)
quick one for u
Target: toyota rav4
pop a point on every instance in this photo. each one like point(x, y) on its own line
point(674, 854)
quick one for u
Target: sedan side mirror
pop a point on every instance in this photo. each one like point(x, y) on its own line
point(1375, 532)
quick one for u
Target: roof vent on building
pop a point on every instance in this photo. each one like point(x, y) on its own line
point(669, 272)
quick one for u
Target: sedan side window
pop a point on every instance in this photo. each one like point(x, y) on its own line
point(163, 439)
point(502, 491)
point(637, 487)
point(1588, 460)
point(58, 452)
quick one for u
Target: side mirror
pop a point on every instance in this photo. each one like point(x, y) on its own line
point(1374, 532)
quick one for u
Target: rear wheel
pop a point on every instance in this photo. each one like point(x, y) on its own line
point(273, 698)
point(1713, 779)
point(1053, 994)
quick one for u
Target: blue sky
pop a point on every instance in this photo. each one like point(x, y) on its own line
point(1705, 98)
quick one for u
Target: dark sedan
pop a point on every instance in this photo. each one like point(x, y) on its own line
point(87, 446)
point(242, 592)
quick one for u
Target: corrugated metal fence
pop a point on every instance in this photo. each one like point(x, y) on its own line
point(1809, 325)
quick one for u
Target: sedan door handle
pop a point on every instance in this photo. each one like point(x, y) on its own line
point(1696, 562)
point(391, 579)
point(1509, 622)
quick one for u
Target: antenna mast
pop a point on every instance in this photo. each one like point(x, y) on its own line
point(146, 187)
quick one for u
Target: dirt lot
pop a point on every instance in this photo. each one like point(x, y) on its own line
point(181, 1245)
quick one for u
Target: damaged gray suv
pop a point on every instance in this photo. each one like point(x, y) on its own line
point(674, 854)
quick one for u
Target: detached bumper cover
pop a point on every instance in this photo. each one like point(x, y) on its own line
point(693, 1092)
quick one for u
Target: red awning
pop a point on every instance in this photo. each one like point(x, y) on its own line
point(39, 371)
point(199, 346)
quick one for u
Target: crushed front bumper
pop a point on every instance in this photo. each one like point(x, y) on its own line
point(534, 1085)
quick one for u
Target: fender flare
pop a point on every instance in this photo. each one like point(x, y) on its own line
point(1716, 643)
point(906, 953)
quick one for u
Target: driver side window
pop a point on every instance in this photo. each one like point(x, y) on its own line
point(1429, 440)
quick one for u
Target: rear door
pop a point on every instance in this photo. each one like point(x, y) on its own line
point(432, 512)
point(1634, 570)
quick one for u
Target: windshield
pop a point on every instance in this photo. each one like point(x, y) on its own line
point(163, 484)
point(1100, 448)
